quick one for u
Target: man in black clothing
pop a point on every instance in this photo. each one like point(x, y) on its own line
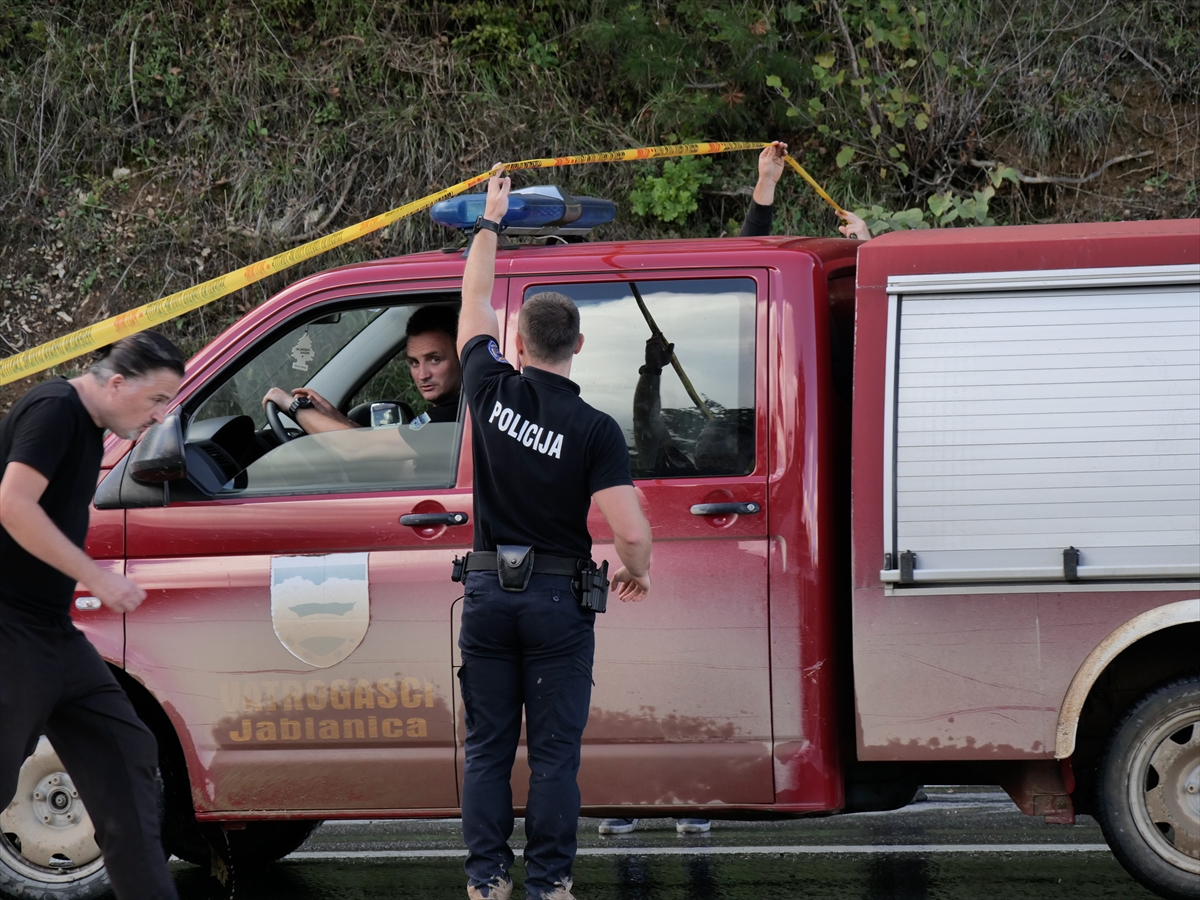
point(433, 359)
point(760, 215)
point(542, 456)
point(432, 362)
point(52, 680)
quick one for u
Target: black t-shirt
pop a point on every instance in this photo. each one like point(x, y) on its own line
point(758, 220)
point(444, 409)
point(50, 430)
point(540, 453)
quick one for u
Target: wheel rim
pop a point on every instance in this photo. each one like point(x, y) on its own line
point(1164, 790)
point(46, 834)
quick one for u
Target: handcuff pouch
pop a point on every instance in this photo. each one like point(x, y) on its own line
point(514, 566)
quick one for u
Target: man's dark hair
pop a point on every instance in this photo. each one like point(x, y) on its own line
point(434, 317)
point(549, 323)
point(134, 356)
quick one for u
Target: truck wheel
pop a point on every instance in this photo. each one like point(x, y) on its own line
point(183, 837)
point(260, 843)
point(1148, 791)
point(256, 844)
point(48, 847)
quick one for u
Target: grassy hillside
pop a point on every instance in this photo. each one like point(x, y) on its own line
point(149, 145)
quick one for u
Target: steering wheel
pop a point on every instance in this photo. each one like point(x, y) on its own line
point(281, 433)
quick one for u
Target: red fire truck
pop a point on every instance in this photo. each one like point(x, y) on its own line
point(930, 513)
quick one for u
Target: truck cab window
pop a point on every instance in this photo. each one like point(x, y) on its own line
point(292, 360)
point(673, 363)
point(357, 360)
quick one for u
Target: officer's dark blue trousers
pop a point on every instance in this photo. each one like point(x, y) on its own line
point(531, 649)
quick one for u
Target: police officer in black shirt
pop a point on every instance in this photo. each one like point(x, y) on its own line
point(542, 456)
point(52, 680)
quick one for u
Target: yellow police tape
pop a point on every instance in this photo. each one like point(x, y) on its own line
point(100, 334)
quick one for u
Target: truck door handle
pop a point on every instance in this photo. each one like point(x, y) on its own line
point(725, 509)
point(425, 520)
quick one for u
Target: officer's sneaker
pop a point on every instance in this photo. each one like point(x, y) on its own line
point(617, 826)
point(500, 889)
point(692, 826)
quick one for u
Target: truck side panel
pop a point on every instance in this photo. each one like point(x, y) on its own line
point(943, 670)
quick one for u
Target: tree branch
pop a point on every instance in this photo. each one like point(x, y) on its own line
point(837, 11)
point(132, 91)
point(1060, 179)
point(337, 207)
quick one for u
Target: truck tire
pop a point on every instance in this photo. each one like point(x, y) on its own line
point(48, 848)
point(260, 843)
point(183, 837)
point(1148, 790)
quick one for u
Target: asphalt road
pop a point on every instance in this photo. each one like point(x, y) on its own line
point(963, 844)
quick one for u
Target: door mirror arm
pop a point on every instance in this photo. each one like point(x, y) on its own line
point(142, 478)
point(118, 490)
point(158, 457)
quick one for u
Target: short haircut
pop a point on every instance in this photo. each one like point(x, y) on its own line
point(136, 355)
point(434, 317)
point(549, 323)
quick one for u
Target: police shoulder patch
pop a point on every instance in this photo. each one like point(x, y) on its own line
point(494, 349)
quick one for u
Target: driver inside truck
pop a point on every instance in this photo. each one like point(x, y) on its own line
point(429, 348)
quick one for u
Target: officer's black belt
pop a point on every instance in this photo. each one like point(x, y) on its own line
point(543, 564)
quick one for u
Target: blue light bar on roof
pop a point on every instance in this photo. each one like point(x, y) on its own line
point(546, 209)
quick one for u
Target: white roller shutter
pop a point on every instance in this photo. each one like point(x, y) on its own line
point(1031, 419)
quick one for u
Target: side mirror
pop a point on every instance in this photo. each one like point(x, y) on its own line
point(159, 456)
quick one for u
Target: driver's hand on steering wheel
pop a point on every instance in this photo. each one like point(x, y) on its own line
point(279, 397)
point(320, 404)
point(283, 400)
point(327, 417)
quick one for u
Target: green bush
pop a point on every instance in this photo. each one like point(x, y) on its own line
point(673, 195)
point(206, 134)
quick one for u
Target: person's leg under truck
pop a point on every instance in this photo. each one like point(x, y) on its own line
point(112, 758)
point(30, 685)
point(490, 683)
point(558, 643)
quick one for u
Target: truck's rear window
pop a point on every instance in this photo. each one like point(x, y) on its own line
point(626, 370)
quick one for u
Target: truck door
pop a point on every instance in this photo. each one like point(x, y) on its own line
point(681, 707)
point(297, 627)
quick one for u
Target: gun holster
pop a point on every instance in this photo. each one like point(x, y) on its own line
point(514, 566)
point(593, 587)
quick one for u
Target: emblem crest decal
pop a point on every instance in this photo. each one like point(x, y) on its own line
point(320, 605)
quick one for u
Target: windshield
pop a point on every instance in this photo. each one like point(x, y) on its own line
point(291, 361)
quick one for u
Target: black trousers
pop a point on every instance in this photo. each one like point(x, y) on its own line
point(534, 650)
point(53, 682)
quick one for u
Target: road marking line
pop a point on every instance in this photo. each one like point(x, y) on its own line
point(790, 850)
